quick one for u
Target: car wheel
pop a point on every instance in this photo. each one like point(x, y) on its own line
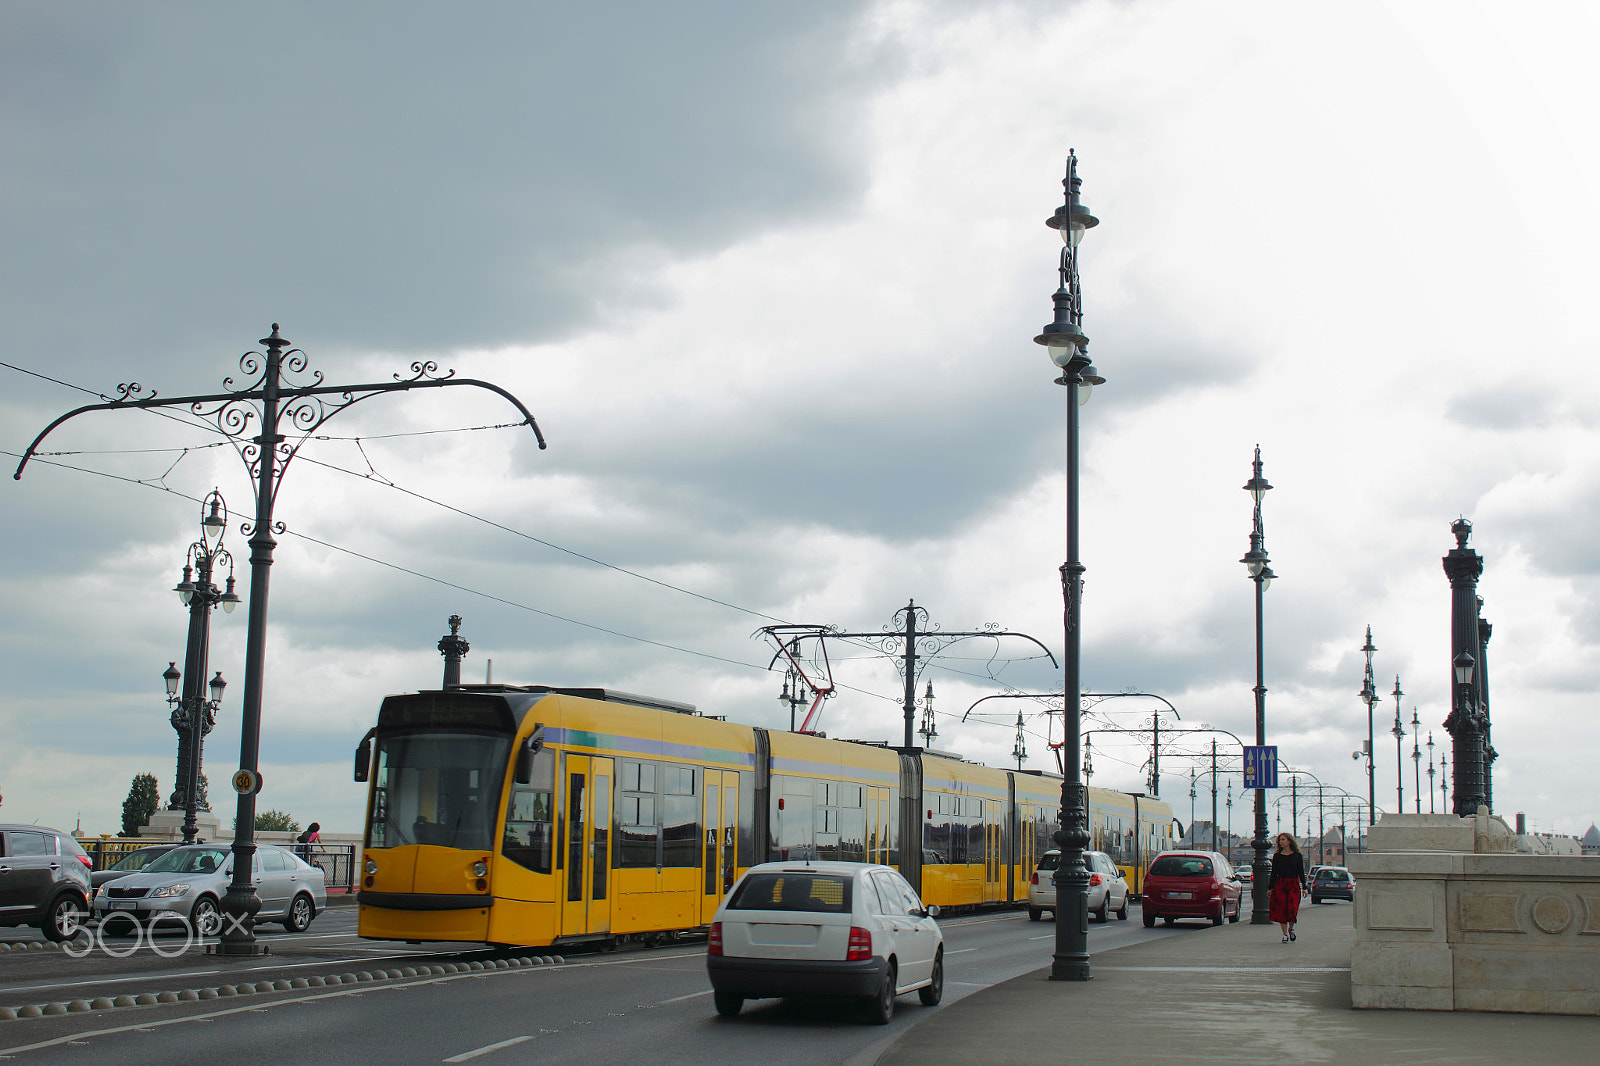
point(301, 911)
point(880, 1009)
point(1316, 899)
point(1167, 919)
point(1234, 917)
point(728, 1004)
point(933, 991)
point(1034, 914)
point(1149, 920)
point(1221, 915)
point(205, 917)
point(1122, 914)
point(64, 918)
point(1104, 909)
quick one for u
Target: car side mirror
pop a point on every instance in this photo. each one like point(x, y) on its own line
point(931, 911)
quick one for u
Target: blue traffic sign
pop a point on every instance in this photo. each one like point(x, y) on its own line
point(1261, 766)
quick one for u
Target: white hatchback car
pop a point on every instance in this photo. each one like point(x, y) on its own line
point(824, 929)
point(1108, 889)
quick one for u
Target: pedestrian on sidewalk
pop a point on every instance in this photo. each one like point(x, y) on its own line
point(1286, 885)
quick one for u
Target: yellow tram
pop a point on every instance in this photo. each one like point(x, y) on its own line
point(539, 816)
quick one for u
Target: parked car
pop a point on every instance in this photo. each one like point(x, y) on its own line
point(1244, 874)
point(1333, 882)
point(1108, 890)
point(1191, 884)
point(824, 929)
point(44, 880)
point(190, 881)
point(130, 863)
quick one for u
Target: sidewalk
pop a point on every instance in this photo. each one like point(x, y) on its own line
point(1233, 994)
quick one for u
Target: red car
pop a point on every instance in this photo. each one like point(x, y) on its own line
point(1191, 884)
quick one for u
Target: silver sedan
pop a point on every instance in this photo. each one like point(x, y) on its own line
point(189, 882)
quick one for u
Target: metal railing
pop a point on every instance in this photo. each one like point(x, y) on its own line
point(338, 861)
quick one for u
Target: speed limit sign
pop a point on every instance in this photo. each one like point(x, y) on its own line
point(246, 782)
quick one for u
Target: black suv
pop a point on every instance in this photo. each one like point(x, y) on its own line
point(1333, 882)
point(44, 880)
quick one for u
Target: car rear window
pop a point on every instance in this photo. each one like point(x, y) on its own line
point(1181, 866)
point(793, 891)
point(1332, 875)
point(1048, 862)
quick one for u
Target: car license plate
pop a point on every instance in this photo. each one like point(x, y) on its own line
point(122, 904)
point(1180, 895)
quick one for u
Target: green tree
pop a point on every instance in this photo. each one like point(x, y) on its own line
point(276, 821)
point(144, 799)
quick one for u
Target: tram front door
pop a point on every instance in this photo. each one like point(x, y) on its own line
point(720, 827)
point(586, 853)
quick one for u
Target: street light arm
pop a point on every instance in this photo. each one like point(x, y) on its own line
point(153, 401)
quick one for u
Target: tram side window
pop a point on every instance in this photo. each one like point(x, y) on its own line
point(637, 830)
point(936, 828)
point(793, 829)
point(680, 816)
point(747, 819)
point(529, 816)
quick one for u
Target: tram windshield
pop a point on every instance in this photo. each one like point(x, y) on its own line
point(437, 788)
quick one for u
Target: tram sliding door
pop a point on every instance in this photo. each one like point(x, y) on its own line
point(721, 829)
point(586, 832)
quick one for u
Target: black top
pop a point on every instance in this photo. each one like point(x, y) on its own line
point(1291, 867)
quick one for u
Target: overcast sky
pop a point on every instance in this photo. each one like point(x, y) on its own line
point(768, 275)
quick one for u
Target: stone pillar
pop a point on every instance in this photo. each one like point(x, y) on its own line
point(1489, 754)
point(1463, 566)
point(453, 647)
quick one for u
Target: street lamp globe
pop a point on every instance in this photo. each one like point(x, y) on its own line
point(216, 685)
point(171, 676)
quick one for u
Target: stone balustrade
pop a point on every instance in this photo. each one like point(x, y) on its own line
point(1448, 916)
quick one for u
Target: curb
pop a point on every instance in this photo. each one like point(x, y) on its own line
point(29, 945)
point(193, 995)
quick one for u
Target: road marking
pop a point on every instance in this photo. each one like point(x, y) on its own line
point(465, 1055)
point(680, 999)
point(1047, 936)
point(959, 951)
point(1226, 969)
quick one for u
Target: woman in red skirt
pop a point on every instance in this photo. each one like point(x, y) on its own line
point(1286, 885)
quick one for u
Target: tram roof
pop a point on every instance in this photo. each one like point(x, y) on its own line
point(606, 695)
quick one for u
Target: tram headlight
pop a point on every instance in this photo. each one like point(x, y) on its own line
point(371, 867)
point(480, 869)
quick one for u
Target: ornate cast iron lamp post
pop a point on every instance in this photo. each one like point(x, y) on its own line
point(1399, 731)
point(1260, 569)
point(1369, 696)
point(192, 715)
point(1416, 758)
point(1067, 344)
point(281, 410)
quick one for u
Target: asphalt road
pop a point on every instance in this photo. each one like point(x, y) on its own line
point(606, 1007)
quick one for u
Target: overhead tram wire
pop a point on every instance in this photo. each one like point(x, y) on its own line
point(377, 478)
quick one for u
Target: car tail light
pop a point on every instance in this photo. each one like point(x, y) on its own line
point(714, 940)
point(1035, 879)
point(88, 863)
point(860, 945)
point(1094, 880)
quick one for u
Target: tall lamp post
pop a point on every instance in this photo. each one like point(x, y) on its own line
point(1260, 569)
point(192, 715)
point(1416, 758)
point(285, 414)
point(1430, 775)
point(1369, 696)
point(1399, 731)
point(1066, 342)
